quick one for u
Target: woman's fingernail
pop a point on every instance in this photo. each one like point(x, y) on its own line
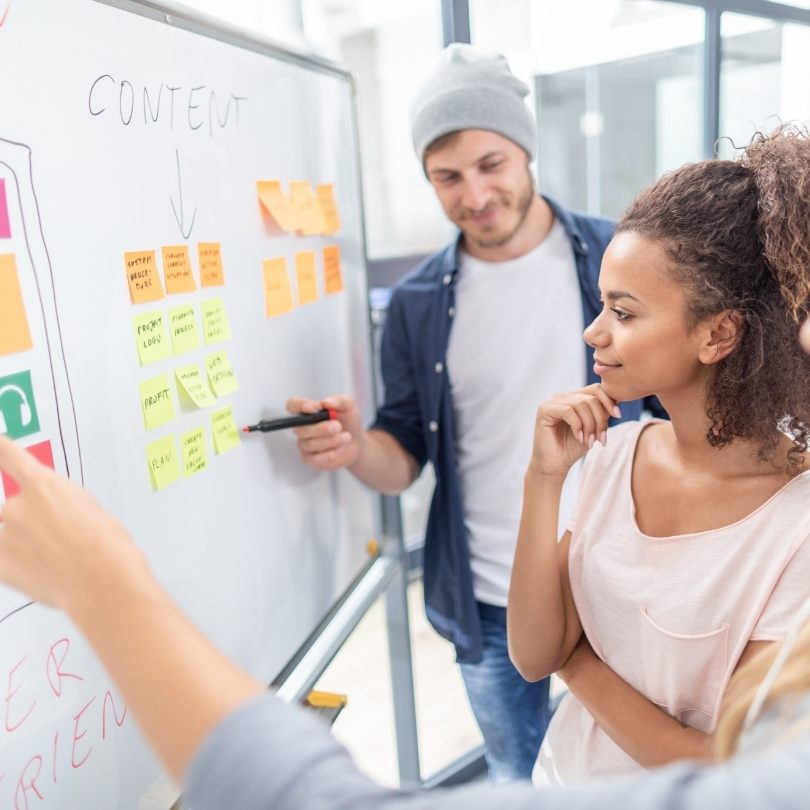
point(591, 440)
point(616, 412)
point(580, 437)
point(603, 437)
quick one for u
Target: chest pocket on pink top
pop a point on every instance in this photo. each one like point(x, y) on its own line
point(683, 673)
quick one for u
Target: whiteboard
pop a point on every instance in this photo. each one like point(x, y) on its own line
point(126, 130)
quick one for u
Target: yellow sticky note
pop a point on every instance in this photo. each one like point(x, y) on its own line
point(163, 465)
point(195, 452)
point(157, 402)
point(211, 273)
point(329, 210)
point(195, 386)
point(215, 321)
point(177, 270)
point(150, 337)
point(305, 272)
point(277, 293)
point(275, 201)
point(183, 326)
point(332, 274)
point(142, 276)
point(310, 219)
point(226, 434)
point(220, 374)
point(15, 335)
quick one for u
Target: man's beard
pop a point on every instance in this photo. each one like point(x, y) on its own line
point(524, 202)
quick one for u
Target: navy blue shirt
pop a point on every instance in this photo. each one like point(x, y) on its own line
point(418, 411)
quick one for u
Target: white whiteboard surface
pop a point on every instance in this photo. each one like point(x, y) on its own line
point(256, 547)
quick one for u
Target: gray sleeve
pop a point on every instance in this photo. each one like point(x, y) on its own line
point(269, 755)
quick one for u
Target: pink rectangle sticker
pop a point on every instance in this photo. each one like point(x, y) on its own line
point(5, 225)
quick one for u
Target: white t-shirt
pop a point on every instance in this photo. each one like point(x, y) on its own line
point(516, 340)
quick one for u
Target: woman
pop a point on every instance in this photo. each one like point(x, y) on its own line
point(687, 553)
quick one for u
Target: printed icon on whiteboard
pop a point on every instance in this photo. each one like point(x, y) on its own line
point(18, 410)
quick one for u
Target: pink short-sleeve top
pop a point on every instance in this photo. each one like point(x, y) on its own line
point(671, 615)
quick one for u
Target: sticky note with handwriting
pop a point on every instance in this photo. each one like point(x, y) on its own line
point(223, 427)
point(195, 452)
point(194, 385)
point(150, 337)
point(177, 270)
point(220, 374)
point(277, 292)
point(156, 401)
point(211, 273)
point(142, 276)
point(164, 467)
point(183, 326)
point(305, 275)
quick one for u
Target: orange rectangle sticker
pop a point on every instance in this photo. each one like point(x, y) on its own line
point(305, 276)
point(15, 335)
point(332, 274)
point(277, 291)
point(142, 276)
point(177, 270)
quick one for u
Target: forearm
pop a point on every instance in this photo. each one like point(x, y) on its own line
point(536, 613)
point(383, 464)
point(176, 683)
point(640, 728)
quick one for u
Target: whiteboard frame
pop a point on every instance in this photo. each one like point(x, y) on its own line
point(387, 576)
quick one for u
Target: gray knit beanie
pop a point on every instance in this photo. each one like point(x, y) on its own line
point(472, 89)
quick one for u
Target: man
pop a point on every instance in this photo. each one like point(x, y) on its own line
point(475, 339)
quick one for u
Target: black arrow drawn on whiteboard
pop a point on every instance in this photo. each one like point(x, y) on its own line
point(180, 220)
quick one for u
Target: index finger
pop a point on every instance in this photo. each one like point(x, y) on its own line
point(15, 461)
point(302, 405)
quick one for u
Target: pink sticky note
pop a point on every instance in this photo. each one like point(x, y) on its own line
point(5, 225)
point(43, 453)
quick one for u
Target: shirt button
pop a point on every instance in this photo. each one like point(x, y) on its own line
point(451, 312)
point(439, 367)
point(447, 279)
point(433, 427)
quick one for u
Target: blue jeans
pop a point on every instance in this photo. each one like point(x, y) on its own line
point(512, 713)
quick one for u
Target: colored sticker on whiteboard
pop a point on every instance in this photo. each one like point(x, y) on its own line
point(183, 326)
point(305, 275)
point(211, 274)
point(195, 452)
point(195, 386)
point(18, 410)
point(215, 321)
point(43, 453)
point(156, 401)
point(151, 338)
point(164, 467)
point(310, 219)
point(220, 374)
point(277, 293)
point(14, 333)
point(5, 224)
point(226, 434)
point(177, 270)
point(332, 274)
point(277, 205)
point(329, 209)
point(142, 277)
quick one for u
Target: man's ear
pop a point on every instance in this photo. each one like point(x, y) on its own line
point(722, 333)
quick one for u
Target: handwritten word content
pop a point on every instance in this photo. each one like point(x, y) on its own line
point(193, 107)
point(211, 274)
point(215, 321)
point(150, 337)
point(183, 325)
point(220, 374)
point(177, 270)
point(195, 452)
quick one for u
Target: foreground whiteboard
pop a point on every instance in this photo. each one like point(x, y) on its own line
point(121, 130)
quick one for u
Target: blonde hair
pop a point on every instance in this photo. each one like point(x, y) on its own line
point(794, 678)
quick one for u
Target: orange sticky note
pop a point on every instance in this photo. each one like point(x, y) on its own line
point(278, 206)
point(332, 274)
point(142, 277)
point(177, 270)
point(310, 219)
point(329, 211)
point(211, 274)
point(277, 293)
point(14, 333)
point(305, 273)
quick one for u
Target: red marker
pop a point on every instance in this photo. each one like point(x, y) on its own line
point(299, 419)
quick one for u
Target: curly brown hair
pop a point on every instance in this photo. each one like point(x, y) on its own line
point(738, 234)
